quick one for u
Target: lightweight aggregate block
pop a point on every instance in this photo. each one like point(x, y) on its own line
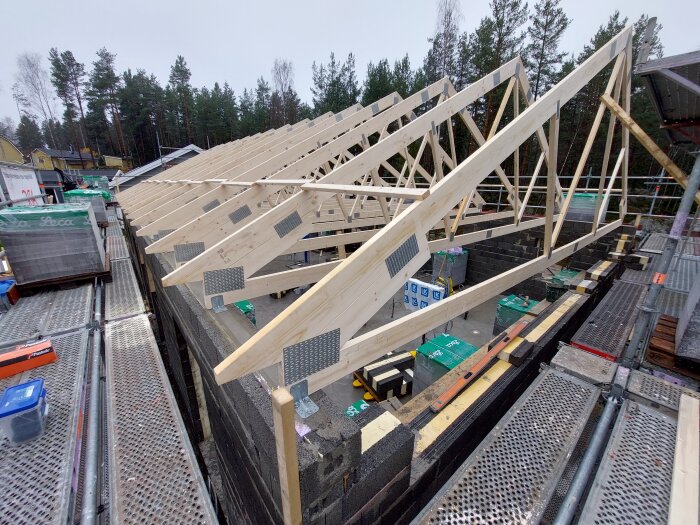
point(379, 465)
point(329, 452)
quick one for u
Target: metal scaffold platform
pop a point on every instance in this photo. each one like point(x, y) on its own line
point(154, 472)
point(123, 296)
point(514, 473)
point(633, 483)
point(36, 478)
point(46, 314)
point(607, 329)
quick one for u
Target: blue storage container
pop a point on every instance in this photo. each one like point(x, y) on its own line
point(23, 411)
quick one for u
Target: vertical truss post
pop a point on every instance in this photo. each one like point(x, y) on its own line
point(551, 175)
point(287, 463)
point(516, 156)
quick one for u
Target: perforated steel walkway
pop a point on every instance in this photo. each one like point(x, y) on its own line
point(606, 330)
point(633, 483)
point(46, 314)
point(35, 477)
point(656, 242)
point(513, 474)
point(123, 296)
point(154, 473)
point(117, 248)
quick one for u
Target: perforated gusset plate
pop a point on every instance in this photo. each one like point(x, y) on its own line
point(633, 483)
point(162, 233)
point(186, 252)
point(238, 215)
point(289, 223)
point(70, 309)
point(512, 475)
point(35, 477)
point(25, 319)
point(402, 255)
point(303, 359)
point(657, 390)
point(154, 473)
point(610, 324)
point(117, 248)
point(123, 296)
point(671, 302)
point(223, 280)
point(210, 205)
point(114, 230)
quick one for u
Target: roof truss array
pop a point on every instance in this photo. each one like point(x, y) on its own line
point(390, 176)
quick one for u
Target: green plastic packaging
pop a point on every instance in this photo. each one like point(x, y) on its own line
point(45, 217)
point(86, 195)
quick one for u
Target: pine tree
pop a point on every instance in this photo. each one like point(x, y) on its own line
point(104, 86)
point(335, 86)
point(68, 76)
point(29, 135)
point(402, 77)
point(261, 107)
point(548, 24)
point(182, 95)
point(378, 82)
point(142, 106)
point(441, 60)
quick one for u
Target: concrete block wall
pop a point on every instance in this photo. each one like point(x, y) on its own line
point(491, 257)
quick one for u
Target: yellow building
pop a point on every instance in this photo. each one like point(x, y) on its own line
point(9, 152)
point(48, 159)
point(112, 161)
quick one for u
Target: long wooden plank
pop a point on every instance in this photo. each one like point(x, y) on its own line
point(374, 191)
point(683, 509)
point(287, 462)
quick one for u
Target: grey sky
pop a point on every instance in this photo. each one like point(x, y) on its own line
point(238, 41)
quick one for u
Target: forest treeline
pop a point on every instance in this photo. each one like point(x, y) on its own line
point(126, 113)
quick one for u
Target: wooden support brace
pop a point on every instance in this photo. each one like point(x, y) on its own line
point(645, 140)
point(288, 464)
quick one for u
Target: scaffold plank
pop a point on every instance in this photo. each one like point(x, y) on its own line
point(123, 296)
point(633, 483)
point(36, 477)
point(514, 472)
point(154, 472)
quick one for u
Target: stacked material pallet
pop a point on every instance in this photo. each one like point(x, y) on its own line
point(51, 242)
point(392, 375)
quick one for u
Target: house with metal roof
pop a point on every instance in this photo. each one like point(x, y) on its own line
point(147, 171)
point(48, 159)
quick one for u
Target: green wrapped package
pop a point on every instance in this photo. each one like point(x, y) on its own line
point(51, 241)
point(86, 195)
point(560, 284)
point(438, 356)
point(509, 310)
point(45, 217)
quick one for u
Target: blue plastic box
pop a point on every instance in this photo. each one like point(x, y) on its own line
point(23, 411)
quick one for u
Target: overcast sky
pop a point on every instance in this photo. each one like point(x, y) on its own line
point(238, 41)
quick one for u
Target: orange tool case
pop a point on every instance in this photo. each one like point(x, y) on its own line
point(26, 357)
